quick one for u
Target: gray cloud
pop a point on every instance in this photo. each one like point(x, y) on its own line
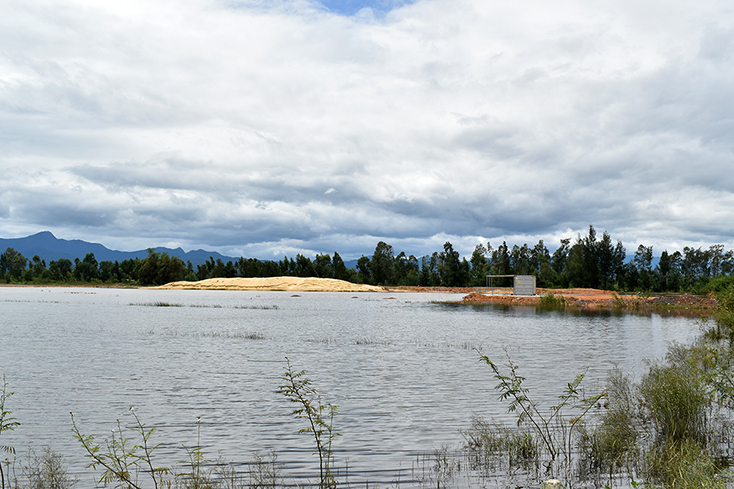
point(283, 127)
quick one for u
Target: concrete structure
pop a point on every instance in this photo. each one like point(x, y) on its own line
point(524, 285)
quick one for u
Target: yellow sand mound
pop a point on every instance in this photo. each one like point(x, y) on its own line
point(274, 283)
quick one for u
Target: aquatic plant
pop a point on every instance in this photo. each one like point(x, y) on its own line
point(556, 431)
point(442, 470)
point(120, 462)
point(491, 448)
point(265, 473)
point(7, 423)
point(608, 444)
point(46, 471)
point(319, 416)
point(197, 476)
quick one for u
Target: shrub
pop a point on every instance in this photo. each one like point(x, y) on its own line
point(552, 301)
point(684, 465)
point(676, 402)
point(611, 445)
point(47, 471)
point(493, 448)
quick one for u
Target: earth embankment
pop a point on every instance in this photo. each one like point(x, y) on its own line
point(296, 284)
point(596, 298)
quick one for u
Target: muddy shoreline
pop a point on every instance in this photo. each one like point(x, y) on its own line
point(601, 299)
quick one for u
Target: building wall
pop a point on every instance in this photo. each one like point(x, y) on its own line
point(524, 285)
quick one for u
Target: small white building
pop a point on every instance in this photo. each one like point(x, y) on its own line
point(524, 285)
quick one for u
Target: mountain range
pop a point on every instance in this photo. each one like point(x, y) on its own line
point(48, 247)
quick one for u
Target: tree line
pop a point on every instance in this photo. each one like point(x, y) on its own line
point(590, 261)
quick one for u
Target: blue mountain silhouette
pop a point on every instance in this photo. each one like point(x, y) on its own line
point(48, 247)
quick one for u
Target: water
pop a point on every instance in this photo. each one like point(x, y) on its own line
point(401, 368)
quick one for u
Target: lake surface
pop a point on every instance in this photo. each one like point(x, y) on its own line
point(401, 368)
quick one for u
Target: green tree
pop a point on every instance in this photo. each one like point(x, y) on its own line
point(12, 263)
point(170, 269)
point(547, 277)
point(287, 267)
point(407, 270)
point(129, 269)
point(364, 268)
point(160, 268)
point(269, 268)
point(593, 263)
point(429, 270)
point(480, 265)
point(109, 271)
point(716, 259)
point(248, 267)
point(86, 270)
point(464, 276)
point(669, 271)
point(39, 268)
point(220, 269)
point(694, 265)
point(304, 266)
point(322, 266)
point(520, 261)
point(605, 252)
point(149, 268)
point(61, 269)
point(538, 255)
point(590, 259)
point(501, 264)
point(643, 263)
point(573, 273)
point(560, 256)
point(382, 265)
point(448, 266)
point(341, 272)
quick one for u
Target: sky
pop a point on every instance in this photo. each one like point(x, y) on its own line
point(264, 128)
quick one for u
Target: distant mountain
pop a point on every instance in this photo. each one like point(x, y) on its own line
point(49, 247)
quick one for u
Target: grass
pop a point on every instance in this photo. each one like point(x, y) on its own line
point(552, 301)
point(372, 342)
point(156, 304)
point(244, 335)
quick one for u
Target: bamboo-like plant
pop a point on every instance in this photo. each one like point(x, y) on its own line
point(555, 429)
point(7, 423)
point(121, 463)
point(298, 389)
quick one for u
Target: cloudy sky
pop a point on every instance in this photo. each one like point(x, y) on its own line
point(270, 127)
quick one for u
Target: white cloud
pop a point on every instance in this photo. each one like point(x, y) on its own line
point(282, 126)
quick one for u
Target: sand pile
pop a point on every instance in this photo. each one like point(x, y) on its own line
point(300, 284)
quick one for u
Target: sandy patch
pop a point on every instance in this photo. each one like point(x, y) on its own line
point(274, 283)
